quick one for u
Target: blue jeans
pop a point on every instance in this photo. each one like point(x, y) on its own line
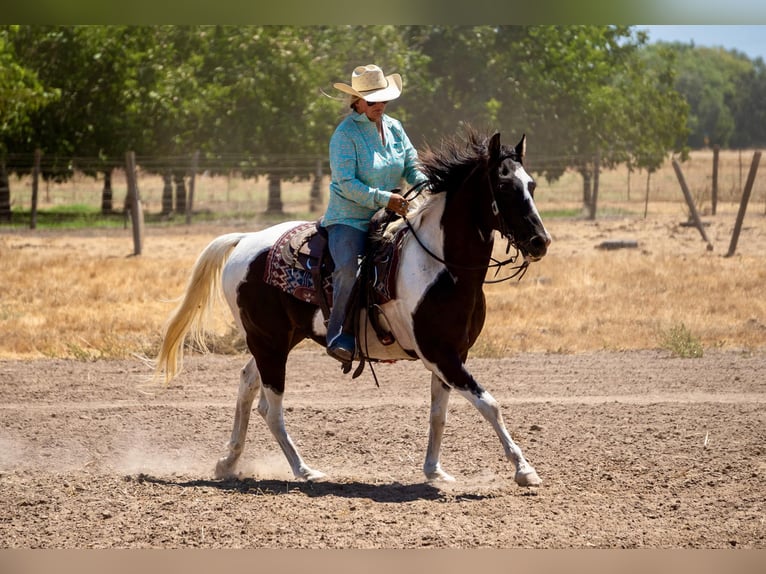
point(347, 244)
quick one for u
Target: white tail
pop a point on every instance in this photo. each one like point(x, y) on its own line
point(191, 315)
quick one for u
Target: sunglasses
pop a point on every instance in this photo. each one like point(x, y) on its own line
point(375, 103)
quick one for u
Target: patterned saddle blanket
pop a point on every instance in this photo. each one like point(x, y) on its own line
point(300, 260)
point(297, 259)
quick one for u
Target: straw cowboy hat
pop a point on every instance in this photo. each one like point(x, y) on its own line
point(369, 83)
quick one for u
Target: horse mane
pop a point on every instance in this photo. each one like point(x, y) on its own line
point(447, 167)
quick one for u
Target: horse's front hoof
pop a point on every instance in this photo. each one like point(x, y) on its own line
point(224, 469)
point(527, 477)
point(311, 475)
point(438, 475)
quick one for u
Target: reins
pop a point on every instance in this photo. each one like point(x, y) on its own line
point(520, 270)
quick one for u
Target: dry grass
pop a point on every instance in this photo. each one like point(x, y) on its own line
point(79, 294)
point(584, 298)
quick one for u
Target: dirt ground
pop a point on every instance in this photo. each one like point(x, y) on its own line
point(635, 449)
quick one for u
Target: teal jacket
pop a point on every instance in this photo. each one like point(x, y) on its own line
point(364, 171)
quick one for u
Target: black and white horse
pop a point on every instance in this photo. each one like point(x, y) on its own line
point(476, 186)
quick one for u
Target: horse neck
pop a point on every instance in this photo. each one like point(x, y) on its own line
point(468, 237)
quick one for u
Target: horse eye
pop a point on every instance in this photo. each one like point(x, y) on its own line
point(532, 186)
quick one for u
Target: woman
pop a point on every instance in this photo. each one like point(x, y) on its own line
point(369, 156)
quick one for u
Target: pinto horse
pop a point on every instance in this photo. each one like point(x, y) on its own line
point(476, 186)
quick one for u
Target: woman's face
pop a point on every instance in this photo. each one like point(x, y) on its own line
point(373, 110)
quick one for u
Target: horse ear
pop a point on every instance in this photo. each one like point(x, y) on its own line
point(521, 147)
point(494, 147)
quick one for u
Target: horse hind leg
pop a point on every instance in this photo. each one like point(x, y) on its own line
point(249, 383)
point(440, 394)
point(271, 365)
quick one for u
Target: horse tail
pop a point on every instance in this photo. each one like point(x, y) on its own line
point(202, 291)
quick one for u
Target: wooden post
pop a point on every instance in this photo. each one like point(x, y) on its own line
point(35, 188)
point(690, 203)
point(192, 178)
point(714, 193)
point(134, 202)
point(743, 203)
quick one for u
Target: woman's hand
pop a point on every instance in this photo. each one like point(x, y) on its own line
point(398, 204)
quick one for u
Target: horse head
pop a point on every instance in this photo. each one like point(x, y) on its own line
point(513, 205)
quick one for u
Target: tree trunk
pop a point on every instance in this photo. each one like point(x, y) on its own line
point(592, 206)
point(5, 193)
point(274, 204)
point(586, 183)
point(180, 192)
point(167, 193)
point(315, 196)
point(106, 193)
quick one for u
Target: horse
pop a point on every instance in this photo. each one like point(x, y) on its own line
point(476, 186)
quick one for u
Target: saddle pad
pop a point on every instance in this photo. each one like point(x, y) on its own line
point(285, 272)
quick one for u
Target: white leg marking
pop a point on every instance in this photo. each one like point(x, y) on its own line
point(248, 386)
point(439, 399)
point(489, 409)
point(270, 408)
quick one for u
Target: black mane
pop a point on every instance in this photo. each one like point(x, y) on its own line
point(448, 167)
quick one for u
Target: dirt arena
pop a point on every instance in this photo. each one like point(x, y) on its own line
point(635, 449)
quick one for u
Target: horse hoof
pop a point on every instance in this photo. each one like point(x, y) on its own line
point(310, 475)
point(224, 470)
point(527, 477)
point(439, 475)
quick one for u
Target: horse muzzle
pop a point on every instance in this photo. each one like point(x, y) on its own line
point(536, 247)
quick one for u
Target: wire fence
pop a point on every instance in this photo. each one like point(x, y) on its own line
point(240, 182)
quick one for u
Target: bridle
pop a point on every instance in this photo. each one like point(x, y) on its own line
point(503, 228)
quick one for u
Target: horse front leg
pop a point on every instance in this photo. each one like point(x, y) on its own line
point(452, 370)
point(437, 421)
point(485, 403)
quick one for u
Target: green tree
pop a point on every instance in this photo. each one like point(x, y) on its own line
point(21, 95)
point(271, 94)
point(748, 105)
point(708, 78)
point(577, 91)
point(87, 127)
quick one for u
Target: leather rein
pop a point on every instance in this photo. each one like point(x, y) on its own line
point(519, 270)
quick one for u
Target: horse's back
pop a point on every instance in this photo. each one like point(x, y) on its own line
point(250, 246)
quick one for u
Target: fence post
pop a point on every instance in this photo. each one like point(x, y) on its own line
point(134, 202)
point(192, 179)
point(743, 203)
point(35, 188)
point(690, 203)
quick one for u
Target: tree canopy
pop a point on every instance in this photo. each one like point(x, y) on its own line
point(259, 99)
